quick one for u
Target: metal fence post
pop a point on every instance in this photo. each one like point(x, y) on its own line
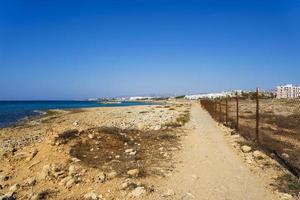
point(226, 120)
point(237, 111)
point(220, 114)
point(257, 115)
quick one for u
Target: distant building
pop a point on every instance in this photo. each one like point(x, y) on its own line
point(288, 92)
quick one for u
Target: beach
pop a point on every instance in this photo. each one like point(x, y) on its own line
point(169, 151)
point(67, 154)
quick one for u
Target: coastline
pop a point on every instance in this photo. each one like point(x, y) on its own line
point(36, 111)
point(147, 136)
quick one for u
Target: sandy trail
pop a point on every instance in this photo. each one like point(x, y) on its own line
point(210, 169)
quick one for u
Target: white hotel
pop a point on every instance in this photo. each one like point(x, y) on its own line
point(288, 92)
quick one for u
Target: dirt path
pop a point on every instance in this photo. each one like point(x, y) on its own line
point(210, 169)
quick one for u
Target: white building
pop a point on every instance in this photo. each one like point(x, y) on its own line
point(288, 92)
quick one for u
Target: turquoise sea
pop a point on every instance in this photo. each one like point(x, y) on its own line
point(13, 111)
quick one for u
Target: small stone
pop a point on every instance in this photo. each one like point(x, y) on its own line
point(285, 155)
point(75, 160)
point(91, 136)
point(128, 150)
point(138, 192)
point(75, 123)
point(285, 196)
point(91, 196)
point(45, 172)
point(132, 153)
point(134, 172)
point(101, 177)
point(73, 170)
point(112, 175)
point(30, 181)
point(70, 183)
point(65, 180)
point(169, 193)
point(4, 178)
point(187, 196)
point(32, 154)
point(14, 187)
point(246, 149)
point(258, 154)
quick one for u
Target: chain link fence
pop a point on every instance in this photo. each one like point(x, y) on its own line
point(272, 124)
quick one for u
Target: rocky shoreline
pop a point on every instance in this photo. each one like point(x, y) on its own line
point(93, 153)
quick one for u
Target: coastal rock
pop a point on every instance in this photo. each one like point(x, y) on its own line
point(112, 175)
point(101, 177)
point(4, 177)
point(258, 154)
point(30, 181)
point(45, 172)
point(285, 155)
point(8, 196)
point(14, 187)
point(137, 192)
point(133, 172)
point(169, 193)
point(188, 196)
point(92, 196)
point(73, 170)
point(246, 149)
point(32, 154)
point(128, 150)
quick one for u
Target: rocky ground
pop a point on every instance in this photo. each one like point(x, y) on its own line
point(95, 153)
point(167, 152)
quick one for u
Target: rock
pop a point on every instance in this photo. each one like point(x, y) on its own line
point(30, 181)
point(141, 126)
point(246, 149)
point(73, 170)
point(285, 155)
point(75, 160)
point(32, 154)
point(128, 184)
point(187, 196)
point(137, 192)
point(132, 153)
point(91, 136)
point(101, 177)
point(65, 180)
point(8, 196)
point(169, 193)
point(128, 150)
point(112, 175)
point(258, 154)
point(70, 183)
point(14, 187)
point(92, 196)
point(75, 123)
point(4, 178)
point(133, 172)
point(157, 127)
point(285, 196)
point(45, 172)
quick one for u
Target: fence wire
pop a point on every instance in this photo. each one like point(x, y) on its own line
point(273, 124)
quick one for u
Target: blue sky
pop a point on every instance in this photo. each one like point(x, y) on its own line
point(77, 49)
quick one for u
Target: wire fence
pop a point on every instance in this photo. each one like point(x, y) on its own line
point(272, 124)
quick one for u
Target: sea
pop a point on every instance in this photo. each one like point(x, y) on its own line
point(11, 112)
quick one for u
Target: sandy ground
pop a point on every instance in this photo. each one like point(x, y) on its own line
point(210, 169)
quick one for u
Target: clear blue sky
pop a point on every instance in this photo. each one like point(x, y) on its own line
point(60, 49)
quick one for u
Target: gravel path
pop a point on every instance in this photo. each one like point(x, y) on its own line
point(210, 169)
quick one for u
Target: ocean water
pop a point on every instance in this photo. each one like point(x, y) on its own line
point(13, 111)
